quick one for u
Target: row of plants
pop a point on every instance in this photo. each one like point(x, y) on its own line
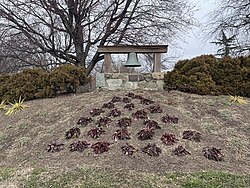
point(37, 83)
point(122, 133)
point(208, 75)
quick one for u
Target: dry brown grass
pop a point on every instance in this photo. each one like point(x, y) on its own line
point(25, 136)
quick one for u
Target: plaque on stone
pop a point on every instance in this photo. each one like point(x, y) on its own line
point(131, 85)
point(133, 78)
point(100, 80)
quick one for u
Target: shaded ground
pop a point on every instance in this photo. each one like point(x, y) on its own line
point(25, 136)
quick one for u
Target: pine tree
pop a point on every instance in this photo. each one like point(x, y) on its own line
point(226, 43)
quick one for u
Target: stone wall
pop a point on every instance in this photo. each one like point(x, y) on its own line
point(147, 81)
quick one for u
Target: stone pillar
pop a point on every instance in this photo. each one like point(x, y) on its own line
point(157, 62)
point(107, 63)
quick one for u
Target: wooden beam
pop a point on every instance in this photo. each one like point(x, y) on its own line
point(107, 63)
point(157, 62)
point(134, 48)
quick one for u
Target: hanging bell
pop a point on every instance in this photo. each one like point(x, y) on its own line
point(132, 60)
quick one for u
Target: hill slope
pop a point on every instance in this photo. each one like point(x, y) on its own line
point(25, 136)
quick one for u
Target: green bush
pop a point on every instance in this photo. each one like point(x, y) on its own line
point(66, 78)
point(37, 83)
point(207, 75)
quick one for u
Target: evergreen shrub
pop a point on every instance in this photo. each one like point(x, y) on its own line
point(207, 75)
point(36, 83)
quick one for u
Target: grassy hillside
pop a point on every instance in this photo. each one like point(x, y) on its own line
point(24, 137)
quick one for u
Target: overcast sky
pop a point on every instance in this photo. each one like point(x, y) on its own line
point(195, 44)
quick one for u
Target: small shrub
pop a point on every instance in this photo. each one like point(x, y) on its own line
point(3, 105)
point(140, 114)
point(84, 121)
point(169, 119)
point(155, 109)
point(103, 121)
point(79, 146)
point(96, 132)
point(114, 113)
point(100, 147)
point(181, 151)
point(168, 139)
point(30, 84)
point(151, 124)
point(96, 112)
point(237, 99)
point(124, 122)
point(152, 150)
point(129, 106)
point(128, 149)
point(116, 99)
point(36, 83)
point(66, 78)
point(16, 106)
point(207, 75)
point(55, 147)
point(130, 94)
point(108, 105)
point(212, 153)
point(126, 100)
point(145, 134)
point(73, 132)
point(146, 101)
point(121, 134)
point(191, 135)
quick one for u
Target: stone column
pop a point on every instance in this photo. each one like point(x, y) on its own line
point(107, 63)
point(157, 62)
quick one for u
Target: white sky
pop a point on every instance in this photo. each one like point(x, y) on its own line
point(195, 44)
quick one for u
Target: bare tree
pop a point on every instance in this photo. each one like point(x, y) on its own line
point(71, 30)
point(17, 53)
point(233, 17)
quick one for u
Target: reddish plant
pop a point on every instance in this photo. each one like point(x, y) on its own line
point(121, 135)
point(108, 105)
point(132, 95)
point(146, 101)
point(126, 100)
point(73, 132)
point(55, 147)
point(79, 146)
point(145, 134)
point(140, 114)
point(128, 149)
point(103, 121)
point(155, 109)
point(96, 112)
point(212, 153)
point(96, 132)
point(152, 150)
point(129, 106)
point(168, 139)
point(84, 121)
point(151, 124)
point(181, 151)
point(115, 113)
point(191, 135)
point(138, 97)
point(116, 99)
point(100, 147)
point(124, 122)
point(168, 119)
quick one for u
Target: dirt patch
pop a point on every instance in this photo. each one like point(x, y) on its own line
point(25, 136)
